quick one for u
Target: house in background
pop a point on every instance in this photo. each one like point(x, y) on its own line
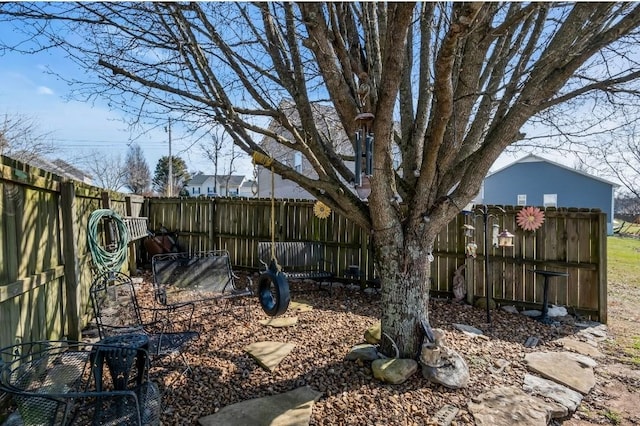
point(214, 186)
point(536, 181)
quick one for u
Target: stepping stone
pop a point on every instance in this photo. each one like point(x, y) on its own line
point(580, 347)
point(561, 394)
point(563, 368)
point(512, 406)
point(280, 322)
point(269, 354)
point(299, 307)
point(291, 408)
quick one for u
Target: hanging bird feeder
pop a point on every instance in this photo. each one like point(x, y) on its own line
point(505, 239)
point(363, 168)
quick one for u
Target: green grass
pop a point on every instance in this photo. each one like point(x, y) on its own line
point(613, 417)
point(623, 258)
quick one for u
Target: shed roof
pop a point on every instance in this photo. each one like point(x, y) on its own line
point(535, 158)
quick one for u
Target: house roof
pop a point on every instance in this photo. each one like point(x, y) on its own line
point(535, 158)
point(234, 180)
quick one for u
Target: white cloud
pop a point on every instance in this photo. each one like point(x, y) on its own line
point(44, 90)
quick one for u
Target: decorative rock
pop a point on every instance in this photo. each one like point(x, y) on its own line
point(394, 371)
point(453, 372)
point(280, 322)
point(532, 313)
point(512, 406)
point(363, 352)
point(482, 303)
point(510, 308)
point(373, 334)
point(468, 330)
point(583, 348)
point(561, 394)
point(269, 354)
point(445, 415)
point(557, 311)
point(562, 367)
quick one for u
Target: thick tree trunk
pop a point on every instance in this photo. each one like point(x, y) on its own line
point(405, 280)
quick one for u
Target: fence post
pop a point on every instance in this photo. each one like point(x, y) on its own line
point(602, 269)
point(70, 259)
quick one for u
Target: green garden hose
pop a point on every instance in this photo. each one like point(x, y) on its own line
point(111, 258)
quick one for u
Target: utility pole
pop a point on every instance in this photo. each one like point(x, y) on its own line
point(170, 175)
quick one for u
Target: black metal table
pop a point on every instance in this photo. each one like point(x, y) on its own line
point(120, 353)
point(544, 318)
point(56, 383)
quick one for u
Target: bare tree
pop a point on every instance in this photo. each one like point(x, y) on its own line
point(136, 171)
point(222, 153)
point(22, 140)
point(107, 171)
point(461, 79)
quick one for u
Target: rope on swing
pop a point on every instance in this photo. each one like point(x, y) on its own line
point(273, 287)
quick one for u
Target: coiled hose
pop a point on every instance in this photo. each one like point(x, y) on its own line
point(105, 259)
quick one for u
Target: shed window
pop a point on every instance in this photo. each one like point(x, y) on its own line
point(522, 199)
point(550, 200)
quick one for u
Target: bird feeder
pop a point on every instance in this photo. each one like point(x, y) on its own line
point(468, 230)
point(505, 239)
point(363, 149)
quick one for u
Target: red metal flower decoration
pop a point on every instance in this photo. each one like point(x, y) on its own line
point(530, 218)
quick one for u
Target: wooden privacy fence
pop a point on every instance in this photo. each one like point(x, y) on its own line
point(570, 240)
point(45, 264)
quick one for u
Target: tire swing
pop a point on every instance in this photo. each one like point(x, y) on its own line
point(273, 287)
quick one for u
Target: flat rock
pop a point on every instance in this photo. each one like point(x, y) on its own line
point(291, 408)
point(394, 370)
point(510, 308)
point(580, 347)
point(363, 352)
point(563, 368)
point(299, 307)
point(468, 330)
point(269, 354)
point(561, 394)
point(279, 322)
point(512, 406)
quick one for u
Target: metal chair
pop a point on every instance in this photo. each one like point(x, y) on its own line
point(117, 311)
point(61, 383)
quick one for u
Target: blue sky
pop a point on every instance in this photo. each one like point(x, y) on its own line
point(27, 87)
point(78, 128)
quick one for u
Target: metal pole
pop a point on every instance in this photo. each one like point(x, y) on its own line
point(170, 176)
point(487, 285)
